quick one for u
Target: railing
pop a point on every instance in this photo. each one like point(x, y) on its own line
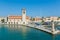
point(42, 27)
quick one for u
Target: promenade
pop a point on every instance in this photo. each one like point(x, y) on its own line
point(41, 27)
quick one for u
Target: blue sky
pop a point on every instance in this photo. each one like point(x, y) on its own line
point(33, 7)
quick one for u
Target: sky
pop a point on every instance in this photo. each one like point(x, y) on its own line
point(33, 7)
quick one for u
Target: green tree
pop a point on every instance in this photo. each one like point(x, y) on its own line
point(58, 18)
point(42, 19)
point(32, 19)
point(3, 20)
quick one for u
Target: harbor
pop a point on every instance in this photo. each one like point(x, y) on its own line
point(41, 27)
point(14, 32)
point(29, 19)
point(26, 20)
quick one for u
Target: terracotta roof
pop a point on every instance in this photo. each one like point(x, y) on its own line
point(17, 17)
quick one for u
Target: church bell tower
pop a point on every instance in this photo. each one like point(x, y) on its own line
point(24, 16)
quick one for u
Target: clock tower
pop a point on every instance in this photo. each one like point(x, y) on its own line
point(24, 16)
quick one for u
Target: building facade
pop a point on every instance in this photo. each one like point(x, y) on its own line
point(38, 19)
point(49, 19)
point(19, 19)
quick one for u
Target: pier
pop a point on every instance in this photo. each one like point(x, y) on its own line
point(41, 27)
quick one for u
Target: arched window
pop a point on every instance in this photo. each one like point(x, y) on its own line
point(23, 22)
point(9, 22)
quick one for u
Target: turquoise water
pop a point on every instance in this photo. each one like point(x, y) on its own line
point(15, 32)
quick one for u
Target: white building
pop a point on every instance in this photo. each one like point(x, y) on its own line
point(49, 19)
point(23, 16)
point(38, 19)
point(19, 19)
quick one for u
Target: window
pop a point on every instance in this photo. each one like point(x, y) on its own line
point(9, 22)
point(23, 22)
point(14, 22)
point(24, 12)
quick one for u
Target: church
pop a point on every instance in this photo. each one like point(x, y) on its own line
point(19, 19)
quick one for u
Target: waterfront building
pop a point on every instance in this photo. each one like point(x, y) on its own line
point(38, 19)
point(49, 19)
point(19, 19)
point(54, 18)
point(23, 16)
point(16, 19)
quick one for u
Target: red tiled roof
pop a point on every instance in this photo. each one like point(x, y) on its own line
point(17, 17)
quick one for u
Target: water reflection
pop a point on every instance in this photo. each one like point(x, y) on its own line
point(18, 28)
point(18, 32)
point(53, 37)
point(13, 27)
